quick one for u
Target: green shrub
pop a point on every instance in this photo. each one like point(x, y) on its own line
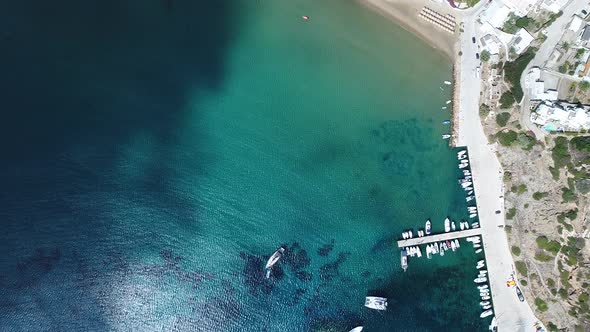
point(526, 142)
point(554, 173)
point(560, 153)
point(515, 251)
point(520, 189)
point(523, 22)
point(523, 282)
point(572, 214)
point(506, 138)
point(484, 109)
point(568, 195)
point(543, 257)
point(502, 118)
point(511, 213)
point(551, 246)
point(521, 268)
point(552, 327)
point(583, 297)
point(581, 143)
point(562, 293)
point(485, 56)
point(539, 195)
point(550, 283)
point(541, 305)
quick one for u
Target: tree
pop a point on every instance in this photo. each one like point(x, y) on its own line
point(584, 85)
point(485, 56)
point(523, 22)
point(507, 99)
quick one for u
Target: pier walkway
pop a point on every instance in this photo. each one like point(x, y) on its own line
point(438, 237)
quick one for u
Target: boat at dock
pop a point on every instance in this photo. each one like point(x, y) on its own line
point(428, 227)
point(453, 246)
point(487, 307)
point(448, 102)
point(446, 122)
point(418, 252)
point(273, 260)
point(453, 225)
point(446, 136)
point(478, 251)
point(428, 251)
point(494, 325)
point(447, 82)
point(375, 302)
point(485, 297)
point(441, 249)
point(480, 280)
point(457, 244)
point(447, 224)
point(404, 259)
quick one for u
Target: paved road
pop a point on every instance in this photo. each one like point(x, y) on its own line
point(554, 33)
point(511, 314)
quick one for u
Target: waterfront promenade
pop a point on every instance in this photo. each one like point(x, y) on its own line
point(511, 314)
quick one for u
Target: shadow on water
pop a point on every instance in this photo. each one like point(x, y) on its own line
point(85, 78)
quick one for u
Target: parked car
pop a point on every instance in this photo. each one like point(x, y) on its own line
point(519, 293)
point(473, 39)
point(477, 56)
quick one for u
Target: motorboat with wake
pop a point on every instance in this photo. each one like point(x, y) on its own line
point(273, 260)
point(375, 302)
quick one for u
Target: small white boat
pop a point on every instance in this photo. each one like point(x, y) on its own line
point(434, 248)
point(494, 325)
point(442, 250)
point(447, 82)
point(466, 225)
point(478, 251)
point(476, 245)
point(483, 287)
point(453, 247)
point(444, 107)
point(428, 251)
point(445, 247)
point(485, 307)
point(483, 271)
point(447, 224)
point(448, 102)
point(428, 227)
point(446, 136)
point(404, 235)
point(410, 235)
point(462, 152)
point(462, 225)
point(469, 198)
point(480, 280)
point(357, 329)
point(473, 215)
point(453, 225)
point(462, 165)
point(482, 303)
point(273, 260)
point(404, 259)
point(485, 297)
point(375, 302)
point(457, 244)
point(418, 252)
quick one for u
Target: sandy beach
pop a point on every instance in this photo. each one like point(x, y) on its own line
point(405, 13)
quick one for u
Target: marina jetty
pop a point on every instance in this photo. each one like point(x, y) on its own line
point(416, 241)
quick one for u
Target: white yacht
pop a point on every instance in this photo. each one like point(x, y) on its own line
point(357, 329)
point(428, 227)
point(377, 303)
point(447, 224)
point(404, 259)
point(453, 225)
point(273, 260)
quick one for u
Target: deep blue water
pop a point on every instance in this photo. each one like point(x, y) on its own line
point(154, 154)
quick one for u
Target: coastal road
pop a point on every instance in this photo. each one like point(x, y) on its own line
point(511, 314)
point(554, 33)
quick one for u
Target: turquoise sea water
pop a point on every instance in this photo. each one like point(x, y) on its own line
point(156, 153)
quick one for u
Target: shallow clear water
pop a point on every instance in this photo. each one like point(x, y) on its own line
point(155, 155)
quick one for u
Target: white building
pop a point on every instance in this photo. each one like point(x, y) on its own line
point(522, 39)
point(496, 14)
point(521, 7)
point(553, 5)
point(555, 117)
point(533, 82)
point(576, 23)
point(491, 44)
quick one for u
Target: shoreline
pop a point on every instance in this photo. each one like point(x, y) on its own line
point(405, 14)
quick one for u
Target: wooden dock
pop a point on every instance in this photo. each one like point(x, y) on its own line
point(438, 237)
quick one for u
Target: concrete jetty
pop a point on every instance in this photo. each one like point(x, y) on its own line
point(416, 241)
